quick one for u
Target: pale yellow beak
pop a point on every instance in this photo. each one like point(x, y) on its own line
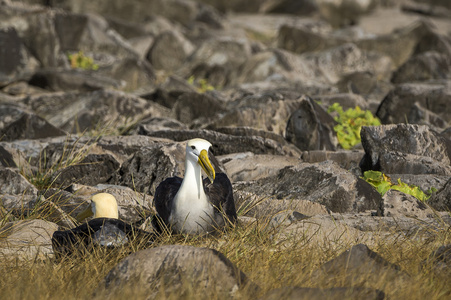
point(205, 164)
point(85, 214)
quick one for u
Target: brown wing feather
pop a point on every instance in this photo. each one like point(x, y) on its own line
point(163, 199)
point(220, 194)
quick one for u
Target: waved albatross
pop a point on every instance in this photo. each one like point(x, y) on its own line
point(192, 205)
point(104, 230)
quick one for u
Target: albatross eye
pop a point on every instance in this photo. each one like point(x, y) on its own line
point(193, 147)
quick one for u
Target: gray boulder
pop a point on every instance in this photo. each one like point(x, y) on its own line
point(135, 75)
point(398, 45)
point(10, 112)
point(91, 34)
point(167, 93)
point(91, 170)
point(181, 270)
point(360, 264)
point(405, 149)
point(248, 166)
point(411, 227)
point(151, 165)
point(72, 80)
point(325, 68)
point(347, 159)
point(295, 7)
point(335, 64)
point(340, 13)
point(27, 240)
point(217, 60)
point(17, 193)
point(115, 58)
point(170, 50)
point(446, 133)
point(436, 8)
point(152, 124)
point(266, 115)
point(292, 37)
point(123, 147)
point(40, 36)
point(396, 203)
point(19, 89)
point(11, 157)
point(227, 143)
point(417, 103)
point(423, 67)
point(439, 3)
point(324, 183)
point(442, 199)
point(7, 159)
point(311, 128)
point(197, 108)
point(27, 154)
point(367, 84)
point(21, 124)
point(434, 41)
point(276, 65)
point(265, 208)
point(298, 8)
point(249, 131)
point(78, 111)
point(187, 13)
point(319, 230)
point(15, 60)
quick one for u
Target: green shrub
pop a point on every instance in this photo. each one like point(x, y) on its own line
point(201, 85)
point(80, 61)
point(349, 124)
point(383, 183)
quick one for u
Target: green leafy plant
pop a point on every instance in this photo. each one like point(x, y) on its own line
point(383, 183)
point(201, 85)
point(350, 122)
point(80, 61)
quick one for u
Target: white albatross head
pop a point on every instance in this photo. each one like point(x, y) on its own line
point(197, 153)
point(103, 205)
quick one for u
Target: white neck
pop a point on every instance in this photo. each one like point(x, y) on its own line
point(192, 182)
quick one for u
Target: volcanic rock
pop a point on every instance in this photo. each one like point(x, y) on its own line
point(405, 149)
point(176, 268)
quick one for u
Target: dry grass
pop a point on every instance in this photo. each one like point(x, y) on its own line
point(253, 249)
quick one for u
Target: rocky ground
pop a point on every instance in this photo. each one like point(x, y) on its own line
point(255, 78)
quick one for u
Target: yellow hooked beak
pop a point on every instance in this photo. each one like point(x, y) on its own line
point(85, 214)
point(205, 164)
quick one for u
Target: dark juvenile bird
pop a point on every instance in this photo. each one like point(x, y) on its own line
point(104, 230)
point(192, 205)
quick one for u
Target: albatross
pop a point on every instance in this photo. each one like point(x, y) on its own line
point(193, 205)
point(104, 230)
